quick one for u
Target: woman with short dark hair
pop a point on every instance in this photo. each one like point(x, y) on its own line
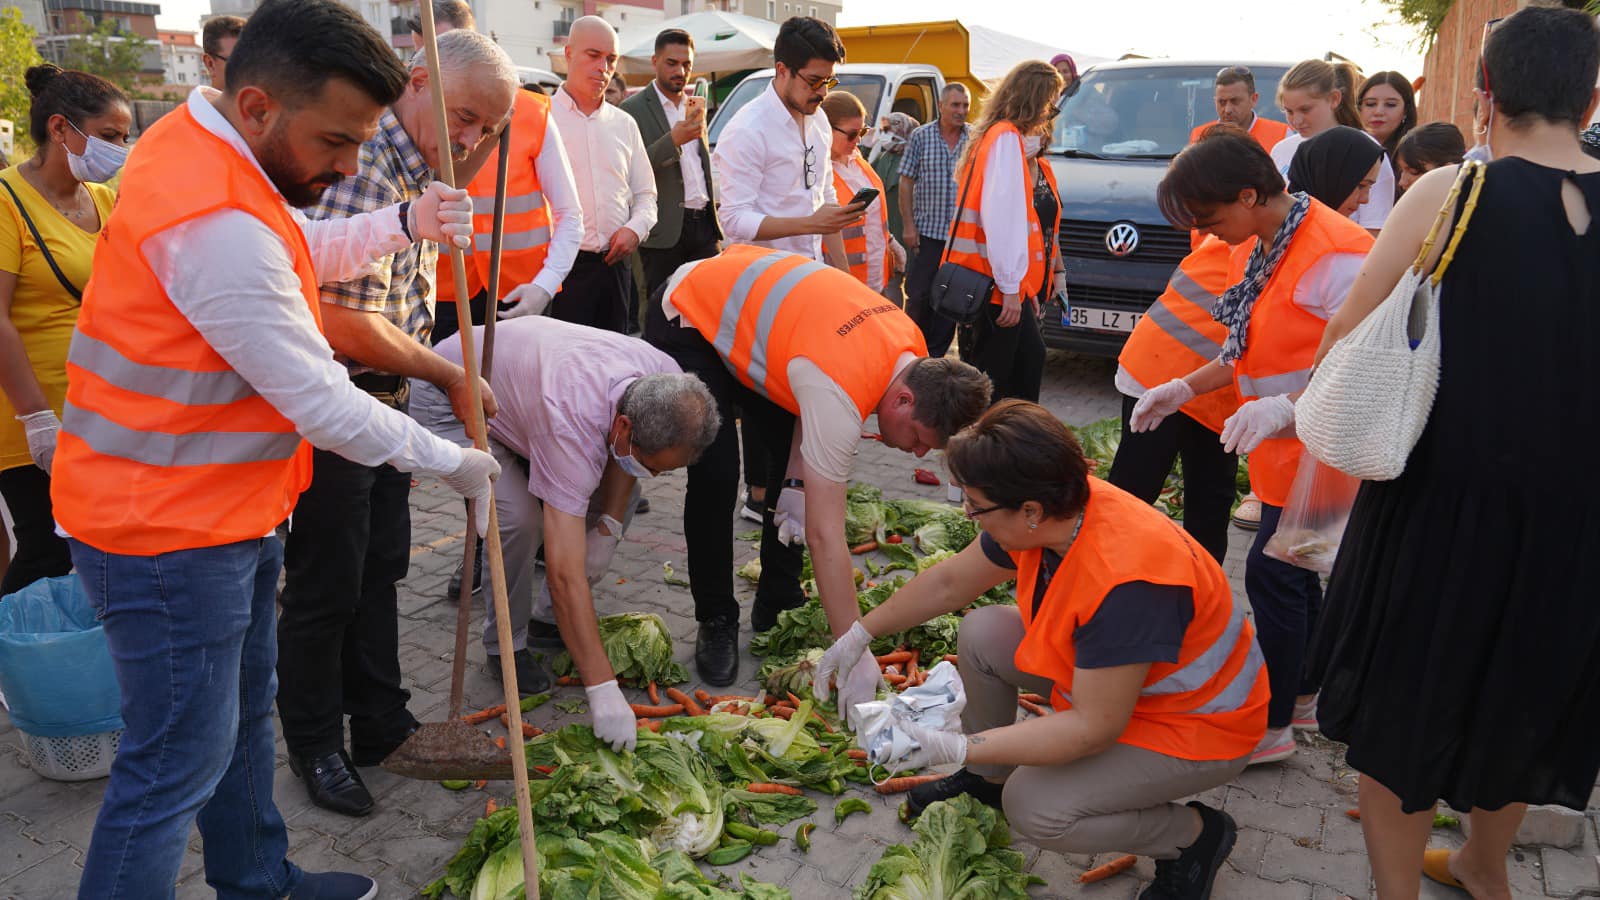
point(1123, 621)
point(1460, 648)
point(1427, 148)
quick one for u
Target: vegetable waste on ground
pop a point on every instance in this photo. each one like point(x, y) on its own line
point(639, 647)
point(960, 851)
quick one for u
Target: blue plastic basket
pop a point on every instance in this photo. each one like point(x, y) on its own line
point(55, 668)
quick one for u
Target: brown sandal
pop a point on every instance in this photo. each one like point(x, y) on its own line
point(1436, 865)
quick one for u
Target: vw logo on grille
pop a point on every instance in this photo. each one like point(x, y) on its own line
point(1122, 239)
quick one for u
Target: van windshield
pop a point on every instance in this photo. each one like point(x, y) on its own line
point(867, 88)
point(1146, 112)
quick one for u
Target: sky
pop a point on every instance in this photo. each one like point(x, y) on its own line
point(1363, 30)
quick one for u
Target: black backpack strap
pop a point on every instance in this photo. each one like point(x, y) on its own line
point(43, 247)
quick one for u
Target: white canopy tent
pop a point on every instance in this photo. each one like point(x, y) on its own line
point(723, 42)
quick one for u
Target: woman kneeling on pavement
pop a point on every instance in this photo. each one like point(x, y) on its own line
point(1123, 621)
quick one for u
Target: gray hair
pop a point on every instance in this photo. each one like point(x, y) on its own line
point(673, 410)
point(462, 51)
point(955, 87)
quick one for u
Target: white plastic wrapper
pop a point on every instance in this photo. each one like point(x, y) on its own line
point(935, 704)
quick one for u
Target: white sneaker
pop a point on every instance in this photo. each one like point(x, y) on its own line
point(1305, 716)
point(1278, 744)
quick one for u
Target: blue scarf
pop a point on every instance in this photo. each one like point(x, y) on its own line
point(1234, 306)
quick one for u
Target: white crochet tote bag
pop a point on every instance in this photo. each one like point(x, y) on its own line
point(1369, 399)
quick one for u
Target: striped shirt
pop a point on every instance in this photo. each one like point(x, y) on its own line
point(932, 164)
point(399, 286)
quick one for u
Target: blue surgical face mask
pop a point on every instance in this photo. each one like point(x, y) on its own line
point(630, 465)
point(100, 161)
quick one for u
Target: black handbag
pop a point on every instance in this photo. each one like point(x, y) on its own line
point(959, 293)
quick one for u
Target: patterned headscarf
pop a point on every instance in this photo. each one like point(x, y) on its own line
point(1234, 306)
point(1590, 138)
point(894, 136)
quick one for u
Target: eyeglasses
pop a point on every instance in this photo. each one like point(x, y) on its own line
point(811, 163)
point(221, 56)
point(858, 134)
point(1050, 115)
point(819, 82)
point(973, 514)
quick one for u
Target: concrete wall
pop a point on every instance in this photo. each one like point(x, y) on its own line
point(1451, 63)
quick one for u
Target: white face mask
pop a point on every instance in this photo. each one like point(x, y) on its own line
point(1031, 145)
point(630, 465)
point(100, 161)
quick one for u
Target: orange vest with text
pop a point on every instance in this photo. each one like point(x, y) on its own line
point(855, 236)
point(1210, 704)
point(1281, 339)
point(763, 308)
point(1178, 335)
point(1267, 132)
point(526, 240)
point(164, 447)
point(969, 246)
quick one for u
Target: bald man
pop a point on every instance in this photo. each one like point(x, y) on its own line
point(616, 186)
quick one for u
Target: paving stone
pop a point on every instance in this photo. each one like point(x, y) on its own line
point(1298, 822)
point(19, 852)
point(1233, 884)
point(1546, 826)
point(57, 875)
point(1284, 860)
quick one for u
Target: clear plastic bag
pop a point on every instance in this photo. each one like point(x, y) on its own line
point(935, 704)
point(1314, 517)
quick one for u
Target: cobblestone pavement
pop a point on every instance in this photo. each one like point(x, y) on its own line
point(1295, 841)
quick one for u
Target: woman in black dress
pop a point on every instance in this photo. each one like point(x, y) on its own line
point(1460, 643)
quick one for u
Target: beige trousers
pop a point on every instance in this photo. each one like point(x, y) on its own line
point(1123, 800)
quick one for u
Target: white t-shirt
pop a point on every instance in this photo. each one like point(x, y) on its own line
point(1371, 214)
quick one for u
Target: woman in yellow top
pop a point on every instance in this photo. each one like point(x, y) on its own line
point(52, 207)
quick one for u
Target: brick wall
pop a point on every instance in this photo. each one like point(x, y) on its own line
point(1452, 61)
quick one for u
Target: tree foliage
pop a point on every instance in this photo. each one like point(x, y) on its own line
point(108, 51)
point(17, 53)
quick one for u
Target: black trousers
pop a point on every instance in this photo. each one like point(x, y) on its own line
point(937, 331)
point(1287, 602)
point(595, 294)
point(697, 240)
point(1144, 460)
point(1013, 358)
point(40, 554)
point(338, 634)
point(445, 322)
point(714, 481)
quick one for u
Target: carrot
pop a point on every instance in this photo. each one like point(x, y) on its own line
point(911, 666)
point(1030, 706)
point(893, 679)
point(500, 742)
point(569, 681)
point(689, 705)
point(651, 712)
point(480, 784)
point(782, 712)
point(1101, 873)
point(901, 785)
point(1034, 698)
point(1354, 814)
point(701, 695)
point(654, 694)
point(896, 658)
point(650, 724)
point(767, 787)
point(793, 700)
point(484, 715)
point(545, 770)
point(771, 700)
point(489, 806)
point(856, 753)
point(528, 731)
point(952, 659)
point(867, 547)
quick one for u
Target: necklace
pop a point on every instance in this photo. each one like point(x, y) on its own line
point(76, 212)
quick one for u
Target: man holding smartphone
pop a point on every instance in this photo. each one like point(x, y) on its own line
point(672, 123)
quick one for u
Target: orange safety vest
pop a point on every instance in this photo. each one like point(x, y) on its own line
point(968, 245)
point(1211, 703)
point(1178, 335)
point(1282, 338)
point(762, 308)
point(855, 236)
point(1267, 132)
point(526, 240)
point(163, 446)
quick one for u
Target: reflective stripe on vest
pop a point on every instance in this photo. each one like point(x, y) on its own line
point(516, 240)
point(515, 205)
point(1237, 693)
point(1204, 667)
point(178, 385)
point(1182, 331)
point(196, 448)
point(769, 311)
point(1273, 385)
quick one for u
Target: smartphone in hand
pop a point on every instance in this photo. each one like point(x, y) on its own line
point(863, 197)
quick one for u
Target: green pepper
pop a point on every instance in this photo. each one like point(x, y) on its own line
point(529, 704)
point(730, 852)
point(1443, 821)
point(844, 808)
point(834, 787)
point(454, 784)
point(802, 836)
point(740, 831)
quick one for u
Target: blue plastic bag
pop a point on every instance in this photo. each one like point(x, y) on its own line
point(55, 668)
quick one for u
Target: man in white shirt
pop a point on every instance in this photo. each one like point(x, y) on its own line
point(205, 305)
point(616, 186)
point(772, 160)
point(673, 124)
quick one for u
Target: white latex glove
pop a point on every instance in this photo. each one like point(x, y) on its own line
point(524, 300)
point(41, 428)
point(938, 748)
point(474, 480)
point(443, 215)
point(1159, 402)
point(852, 656)
point(790, 516)
point(611, 716)
point(1255, 422)
point(600, 548)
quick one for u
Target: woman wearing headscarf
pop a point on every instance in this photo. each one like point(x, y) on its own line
point(1306, 257)
point(1338, 167)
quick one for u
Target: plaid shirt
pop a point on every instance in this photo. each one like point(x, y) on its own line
point(400, 287)
point(931, 162)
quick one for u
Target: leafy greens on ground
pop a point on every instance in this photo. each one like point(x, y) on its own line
point(639, 647)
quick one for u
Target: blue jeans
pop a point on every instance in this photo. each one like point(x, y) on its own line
point(192, 635)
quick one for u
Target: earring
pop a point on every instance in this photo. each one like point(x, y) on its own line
point(1032, 525)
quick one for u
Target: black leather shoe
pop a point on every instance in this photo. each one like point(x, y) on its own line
point(716, 652)
point(545, 637)
point(453, 589)
point(764, 613)
point(372, 753)
point(532, 678)
point(960, 781)
point(333, 783)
